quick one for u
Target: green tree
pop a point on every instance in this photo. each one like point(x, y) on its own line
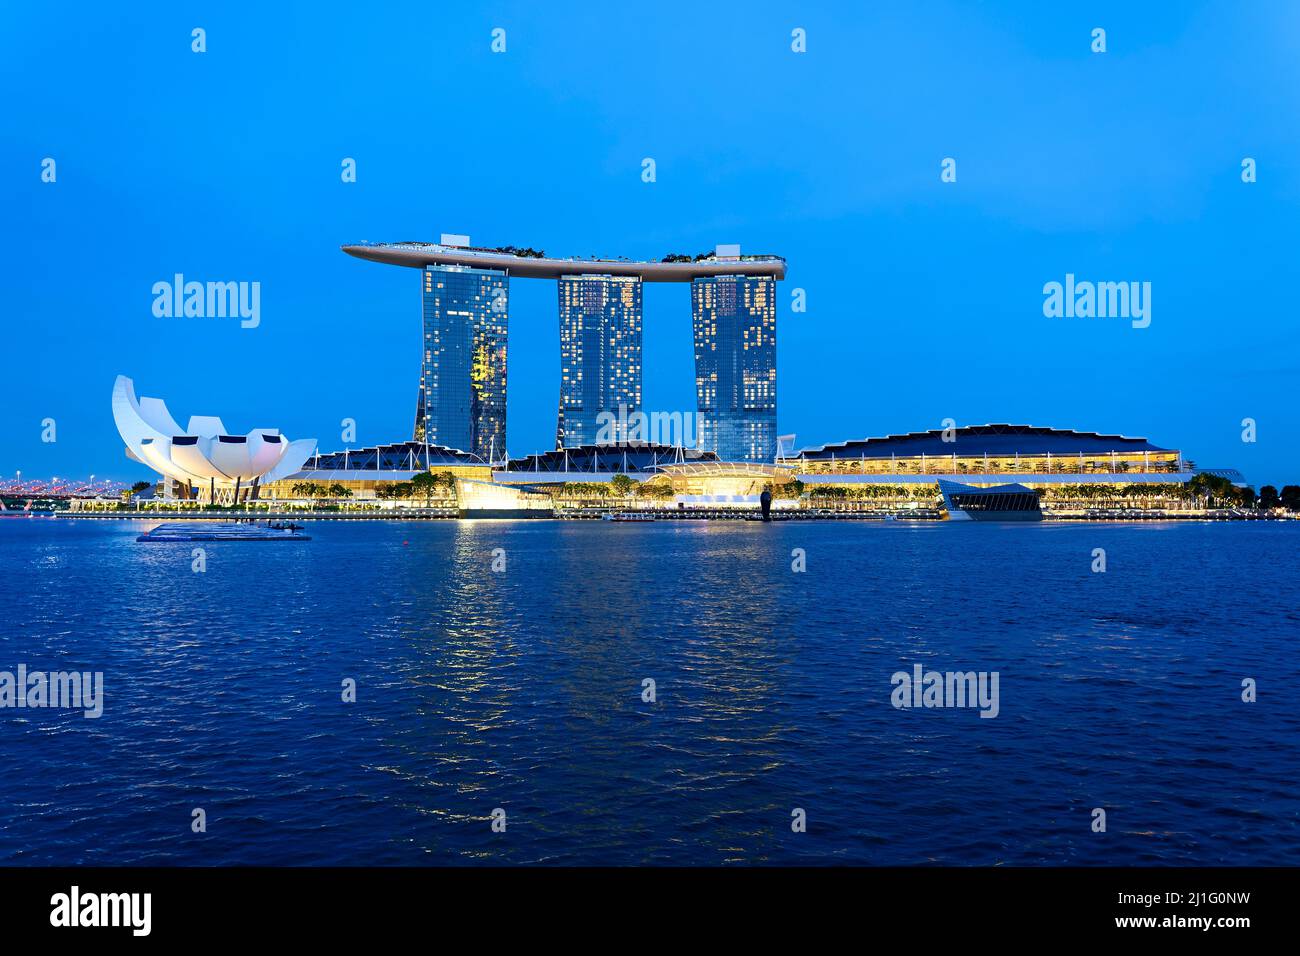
point(447, 481)
point(1290, 497)
point(789, 489)
point(658, 489)
point(1212, 488)
point(622, 485)
point(307, 489)
point(425, 483)
point(584, 489)
point(1269, 498)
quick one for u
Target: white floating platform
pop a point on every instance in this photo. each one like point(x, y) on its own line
point(191, 531)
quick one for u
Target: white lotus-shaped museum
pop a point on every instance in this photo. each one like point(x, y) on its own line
point(203, 455)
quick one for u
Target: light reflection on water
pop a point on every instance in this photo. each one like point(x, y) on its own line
point(522, 690)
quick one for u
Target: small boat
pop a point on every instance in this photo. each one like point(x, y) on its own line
point(630, 516)
point(199, 531)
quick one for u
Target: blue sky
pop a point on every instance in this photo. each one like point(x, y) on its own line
point(924, 298)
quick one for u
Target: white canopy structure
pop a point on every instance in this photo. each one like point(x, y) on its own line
point(202, 455)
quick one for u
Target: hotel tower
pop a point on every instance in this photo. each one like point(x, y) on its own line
point(466, 296)
point(462, 394)
point(734, 321)
point(600, 355)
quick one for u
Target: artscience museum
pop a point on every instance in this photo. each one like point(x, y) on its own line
point(203, 460)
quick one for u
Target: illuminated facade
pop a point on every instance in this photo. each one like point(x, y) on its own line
point(734, 322)
point(367, 472)
point(1033, 454)
point(1071, 471)
point(600, 356)
point(462, 395)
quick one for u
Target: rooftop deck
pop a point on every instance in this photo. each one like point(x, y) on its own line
point(417, 255)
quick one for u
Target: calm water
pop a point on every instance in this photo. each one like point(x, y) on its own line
point(522, 690)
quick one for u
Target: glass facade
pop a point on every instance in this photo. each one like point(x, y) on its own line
point(462, 394)
point(995, 501)
point(734, 322)
point(600, 356)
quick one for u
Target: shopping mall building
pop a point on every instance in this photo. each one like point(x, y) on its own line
point(1070, 469)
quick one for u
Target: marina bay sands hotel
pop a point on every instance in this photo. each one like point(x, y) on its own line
point(466, 297)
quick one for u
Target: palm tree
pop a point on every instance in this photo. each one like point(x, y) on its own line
point(308, 489)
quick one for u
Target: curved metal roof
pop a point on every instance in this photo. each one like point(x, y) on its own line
point(351, 474)
point(402, 456)
point(420, 254)
point(958, 488)
point(720, 469)
point(593, 459)
point(1000, 439)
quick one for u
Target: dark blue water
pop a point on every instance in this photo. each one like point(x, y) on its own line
point(522, 690)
